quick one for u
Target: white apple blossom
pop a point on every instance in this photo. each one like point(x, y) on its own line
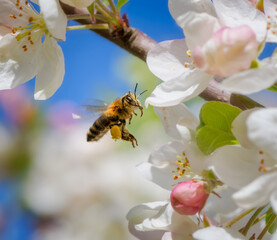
point(177, 159)
point(24, 52)
point(158, 220)
point(251, 166)
point(78, 3)
point(221, 42)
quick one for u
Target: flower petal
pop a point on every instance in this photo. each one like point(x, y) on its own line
point(9, 7)
point(161, 163)
point(178, 7)
point(137, 212)
point(235, 166)
point(178, 90)
point(198, 28)
point(258, 192)
point(54, 17)
point(262, 130)
point(241, 12)
point(166, 60)
point(78, 3)
point(169, 220)
point(16, 65)
point(170, 116)
point(51, 69)
point(4, 30)
point(217, 233)
point(239, 129)
point(252, 80)
point(270, 10)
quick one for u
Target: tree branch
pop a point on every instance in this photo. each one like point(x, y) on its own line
point(137, 43)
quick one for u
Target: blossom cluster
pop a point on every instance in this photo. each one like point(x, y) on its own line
point(222, 166)
point(28, 43)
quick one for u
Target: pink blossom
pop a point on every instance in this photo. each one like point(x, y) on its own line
point(189, 197)
point(230, 50)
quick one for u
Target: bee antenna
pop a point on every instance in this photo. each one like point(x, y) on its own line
point(135, 89)
point(142, 93)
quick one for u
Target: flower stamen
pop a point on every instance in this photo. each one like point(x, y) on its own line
point(189, 65)
point(182, 168)
point(272, 23)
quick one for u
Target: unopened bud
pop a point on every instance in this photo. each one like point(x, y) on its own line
point(189, 197)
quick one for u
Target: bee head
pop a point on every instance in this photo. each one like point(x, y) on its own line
point(131, 100)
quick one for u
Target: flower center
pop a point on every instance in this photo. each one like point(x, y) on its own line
point(33, 22)
point(182, 168)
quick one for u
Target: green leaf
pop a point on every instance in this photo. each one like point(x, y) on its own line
point(214, 130)
point(120, 3)
point(273, 226)
point(273, 88)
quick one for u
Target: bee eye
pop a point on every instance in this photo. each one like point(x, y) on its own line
point(129, 98)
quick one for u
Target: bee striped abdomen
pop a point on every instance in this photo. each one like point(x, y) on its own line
point(99, 128)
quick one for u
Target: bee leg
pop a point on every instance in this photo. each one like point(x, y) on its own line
point(130, 119)
point(129, 137)
point(141, 111)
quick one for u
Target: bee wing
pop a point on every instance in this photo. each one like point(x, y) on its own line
point(90, 110)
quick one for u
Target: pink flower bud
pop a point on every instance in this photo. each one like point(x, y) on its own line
point(229, 51)
point(188, 198)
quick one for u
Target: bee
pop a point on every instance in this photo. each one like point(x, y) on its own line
point(114, 119)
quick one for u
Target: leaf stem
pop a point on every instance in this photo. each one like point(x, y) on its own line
point(269, 223)
point(238, 217)
point(109, 18)
point(113, 7)
point(78, 16)
point(269, 211)
point(251, 220)
point(88, 26)
point(103, 18)
point(103, 9)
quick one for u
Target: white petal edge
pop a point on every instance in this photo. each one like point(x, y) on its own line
point(251, 81)
point(262, 130)
point(16, 65)
point(241, 12)
point(198, 28)
point(167, 59)
point(51, 69)
point(169, 220)
point(178, 90)
point(258, 192)
point(217, 233)
point(54, 17)
point(179, 7)
point(138, 211)
point(170, 116)
point(239, 128)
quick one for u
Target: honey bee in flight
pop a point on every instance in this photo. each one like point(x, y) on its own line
point(115, 117)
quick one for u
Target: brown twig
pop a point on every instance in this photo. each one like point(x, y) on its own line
point(138, 44)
